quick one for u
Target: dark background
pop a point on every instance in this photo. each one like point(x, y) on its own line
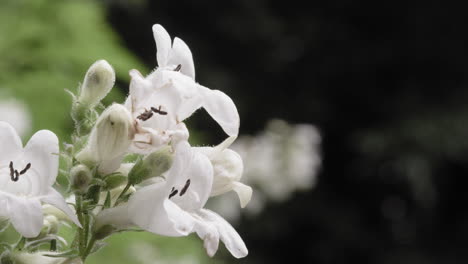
point(385, 83)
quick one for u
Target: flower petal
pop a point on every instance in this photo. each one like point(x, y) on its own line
point(227, 233)
point(210, 236)
point(243, 191)
point(42, 151)
point(151, 210)
point(56, 199)
point(10, 142)
point(163, 44)
point(222, 109)
point(181, 55)
point(25, 215)
point(195, 175)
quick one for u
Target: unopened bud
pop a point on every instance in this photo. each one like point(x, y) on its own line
point(228, 168)
point(104, 231)
point(153, 165)
point(110, 137)
point(80, 179)
point(50, 225)
point(98, 82)
point(115, 180)
point(6, 258)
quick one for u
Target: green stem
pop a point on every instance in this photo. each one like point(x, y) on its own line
point(88, 249)
point(53, 245)
point(86, 227)
point(20, 244)
point(122, 194)
point(79, 212)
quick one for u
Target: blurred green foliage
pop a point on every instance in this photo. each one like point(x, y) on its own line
point(46, 46)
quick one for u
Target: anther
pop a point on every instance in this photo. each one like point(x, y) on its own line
point(145, 115)
point(178, 68)
point(158, 110)
point(12, 171)
point(16, 178)
point(173, 193)
point(187, 184)
point(25, 169)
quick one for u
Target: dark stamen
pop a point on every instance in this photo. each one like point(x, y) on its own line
point(145, 115)
point(25, 169)
point(187, 184)
point(173, 193)
point(12, 171)
point(178, 68)
point(158, 110)
point(16, 178)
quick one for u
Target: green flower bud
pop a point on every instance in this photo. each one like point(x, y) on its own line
point(80, 179)
point(110, 137)
point(153, 165)
point(98, 82)
point(104, 231)
point(115, 180)
point(6, 258)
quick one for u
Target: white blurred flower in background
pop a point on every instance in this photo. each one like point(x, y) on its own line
point(17, 114)
point(279, 161)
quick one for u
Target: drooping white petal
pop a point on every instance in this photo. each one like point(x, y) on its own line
point(56, 199)
point(209, 234)
point(151, 210)
point(181, 55)
point(25, 215)
point(243, 191)
point(222, 109)
point(163, 44)
point(42, 151)
point(10, 143)
point(227, 233)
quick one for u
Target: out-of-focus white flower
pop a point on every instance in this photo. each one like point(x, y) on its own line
point(26, 178)
point(174, 207)
point(109, 140)
point(277, 162)
point(169, 95)
point(15, 113)
point(228, 168)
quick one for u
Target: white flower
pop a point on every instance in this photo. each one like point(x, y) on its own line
point(109, 140)
point(174, 207)
point(26, 178)
point(228, 168)
point(169, 95)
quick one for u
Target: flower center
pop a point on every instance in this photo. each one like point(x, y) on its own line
point(147, 114)
point(14, 174)
point(184, 189)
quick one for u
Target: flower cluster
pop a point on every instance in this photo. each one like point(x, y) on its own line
point(129, 167)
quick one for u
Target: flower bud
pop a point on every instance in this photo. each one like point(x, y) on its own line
point(80, 179)
point(98, 82)
point(6, 258)
point(22, 257)
point(228, 168)
point(115, 180)
point(110, 137)
point(153, 165)
point(104, 231)
point(50, 225)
